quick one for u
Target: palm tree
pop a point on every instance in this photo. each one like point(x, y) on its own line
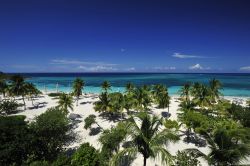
point(103, 104)
point(111, 140)
point(147, 139)
point(3, 87)
point(248, 102)
point(106, 86)
point(90, 120)
point(202, 96)
point(142, 96)
point(18, 87)
point(185, 92)
point(65, 102)
point(157, 90)
point(32, 91)
point(77, 88)
point(129, 88)
point(229, 145)
point(160, 93)
point(129, 102)
point(195, 88)
point(164, 100)
point(116, 102)
point(215, 86)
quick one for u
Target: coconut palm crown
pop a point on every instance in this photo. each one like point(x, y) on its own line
point(78, 85)
point(65, 102)
point(147, 139)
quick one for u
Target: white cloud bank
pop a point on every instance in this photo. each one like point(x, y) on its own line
point(98, 68)
point(85, 66)
point(245, 68)
point(164, 68)
point(198, 67)
point(76, 62)
point(184, 56)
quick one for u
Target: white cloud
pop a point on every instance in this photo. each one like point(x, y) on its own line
point(76, 62)
point(198, 67)
point(172, 68)
point(246, 68)
point(98, 68)
point(164, 68)
point(130, 69)
point(183, 56)
point(84, 65)
point(123, 49)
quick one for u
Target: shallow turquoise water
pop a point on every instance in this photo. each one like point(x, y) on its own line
point(233, 84)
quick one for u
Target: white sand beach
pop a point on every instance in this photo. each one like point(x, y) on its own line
point(85, 108)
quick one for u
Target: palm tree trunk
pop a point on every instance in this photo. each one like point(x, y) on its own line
point(77, 101)
point(24, 103)
point(145, 161)
point(99, 126)
point(32, 100)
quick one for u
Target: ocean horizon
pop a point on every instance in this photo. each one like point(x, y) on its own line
point(234, 84)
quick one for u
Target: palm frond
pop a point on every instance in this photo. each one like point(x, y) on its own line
point(117, 158)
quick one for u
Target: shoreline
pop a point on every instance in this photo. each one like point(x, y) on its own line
point(171, 95)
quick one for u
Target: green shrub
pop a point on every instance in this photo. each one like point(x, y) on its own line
point(62, 160)
point(57, 94)
point(89, 121)
point(50, 134)
point(14, 140)
point(39, 163)
point(8, 107)
point(86, 155)
point(185, 159)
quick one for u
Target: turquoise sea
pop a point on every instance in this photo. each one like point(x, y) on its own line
point(233, 84)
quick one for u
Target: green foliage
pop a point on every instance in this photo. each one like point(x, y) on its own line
point(147, 139)
point(103, 104)
point(3, 86)
point(65, 102)
point(129, 101)
point(17, 86)
point(171, 124)
point(110, 103)
point(201, 95)
point(39, 163)
point(248, 102)
point(116, 102)
point(106, 86)
point(8, 107)
point(77, 87)
point(14, 140)
point(215, 86)
point(54, 94)
point(186, 159)
point(50, 134)
point(240, 113)
point(129, 88)
point(89, 121)
point(111, 139)
point(160, 93)
point(86, 155)
point(228, 144)
point(143, 98)
point(185, 92)
point(62, 160)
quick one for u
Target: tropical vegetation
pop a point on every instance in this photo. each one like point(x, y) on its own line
point(204, 119)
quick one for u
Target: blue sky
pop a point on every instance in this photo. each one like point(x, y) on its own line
point(125, 36)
